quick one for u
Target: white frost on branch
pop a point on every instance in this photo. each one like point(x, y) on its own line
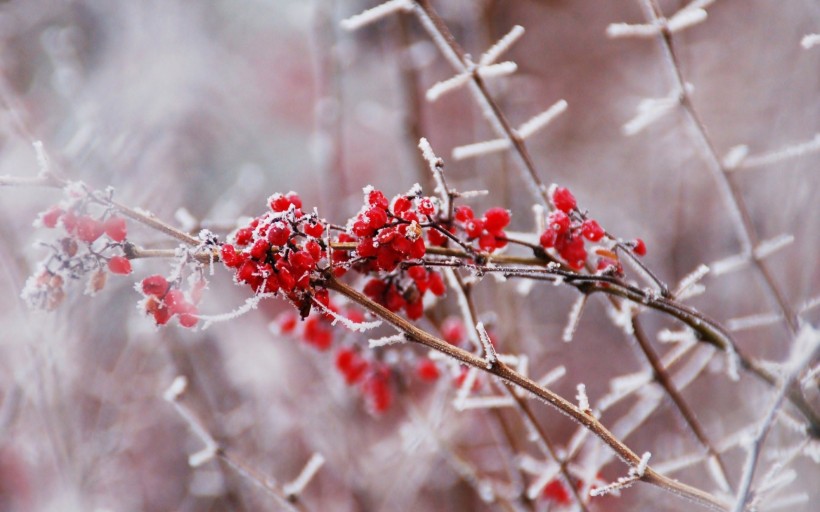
point(490, 357)
point(574, 318)
point(689, 15)
point(752, 321)
point(451, 84)
point(526, 130)
point(693, 367)
point(376, 13)
point(486, 402)
point(649, 111)
point(810, 40)
point(583, 400)
point(737, 159)
point(729, 264)
point(772, 245)
point(501, 46)
point(211, 448)
point(465, 388)
point(552, 376)
point(387, 340)
point(294, 488)
point(250, 304)
point(687, 285)
point(350, 324)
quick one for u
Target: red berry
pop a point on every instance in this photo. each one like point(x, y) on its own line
point(50, 217)
point(426, 207)
point(400, 205)
point(474, 227)
point(548, 238)
point(155, 285)
point(260, 249)
point(89, 229)
point(374, 288)
point(377, 198)
point(496, 219)
point(639, 247)
point(175, 301)
point(464, 213)
point(278, 233)
point(115, 228)
point(591, 230)
point(229, 256)
point(452, 330)
point(287, 322)
point(278, 203)
point(435, 237)
point(436, 284)
point(188, 320)
point(294, 199)
point(559, 221)
point(555, 491)
point(244, 236)
point(427, 370)
point(314, 230)
point(563, 199)
point(414, 309)
point(377, 389)
point(119, 265)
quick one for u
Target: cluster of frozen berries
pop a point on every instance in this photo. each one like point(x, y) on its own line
point(372, 378)
point(487, 230)
point(568, 227)
point(89, 247)
point(387, 235)
point(279, 251)
point(164, 300)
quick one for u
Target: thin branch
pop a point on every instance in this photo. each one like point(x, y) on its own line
point(506, 373)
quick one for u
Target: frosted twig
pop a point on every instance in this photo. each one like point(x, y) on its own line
point(689, 15)
point(480, 148)
point(729, 264)
point(350, 324)
point(752, 321)
point(541, 120)
point(805, 346)
point(810, 304)
point(689, 281)
point(489, 71)
point(250, 304)
point(616, 30)
point(376, 13)
point(524, 131)
point(649, 111)
point(294, 488)
point(583, 400)
point(552, 376)
point(501, 46)
point(686, 18)
point(486, 402)
point(574, 318)
point(387, 340)
point(772, 245)
point(810, 40)
point(211, 448)
point(490, 357)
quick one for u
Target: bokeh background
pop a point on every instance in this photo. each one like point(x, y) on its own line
point(201, 110)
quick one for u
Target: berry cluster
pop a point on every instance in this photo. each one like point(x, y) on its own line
point(389, 241)
point(164, 300)
point(568, 227)
point(280, 250)
point(371, 377)
point(90, 245)
point(488, 230)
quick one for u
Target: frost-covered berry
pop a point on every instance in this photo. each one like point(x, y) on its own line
point(119, 265)
point(427, 370)
point(155, 285)
point(115, 228)
point(592, 231)
point(563, 199)
point(639, 247)
point(496, 219)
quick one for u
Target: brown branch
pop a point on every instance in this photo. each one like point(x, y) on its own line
point(506, 373)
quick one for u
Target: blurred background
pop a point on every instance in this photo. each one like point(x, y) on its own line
point(201, 110)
